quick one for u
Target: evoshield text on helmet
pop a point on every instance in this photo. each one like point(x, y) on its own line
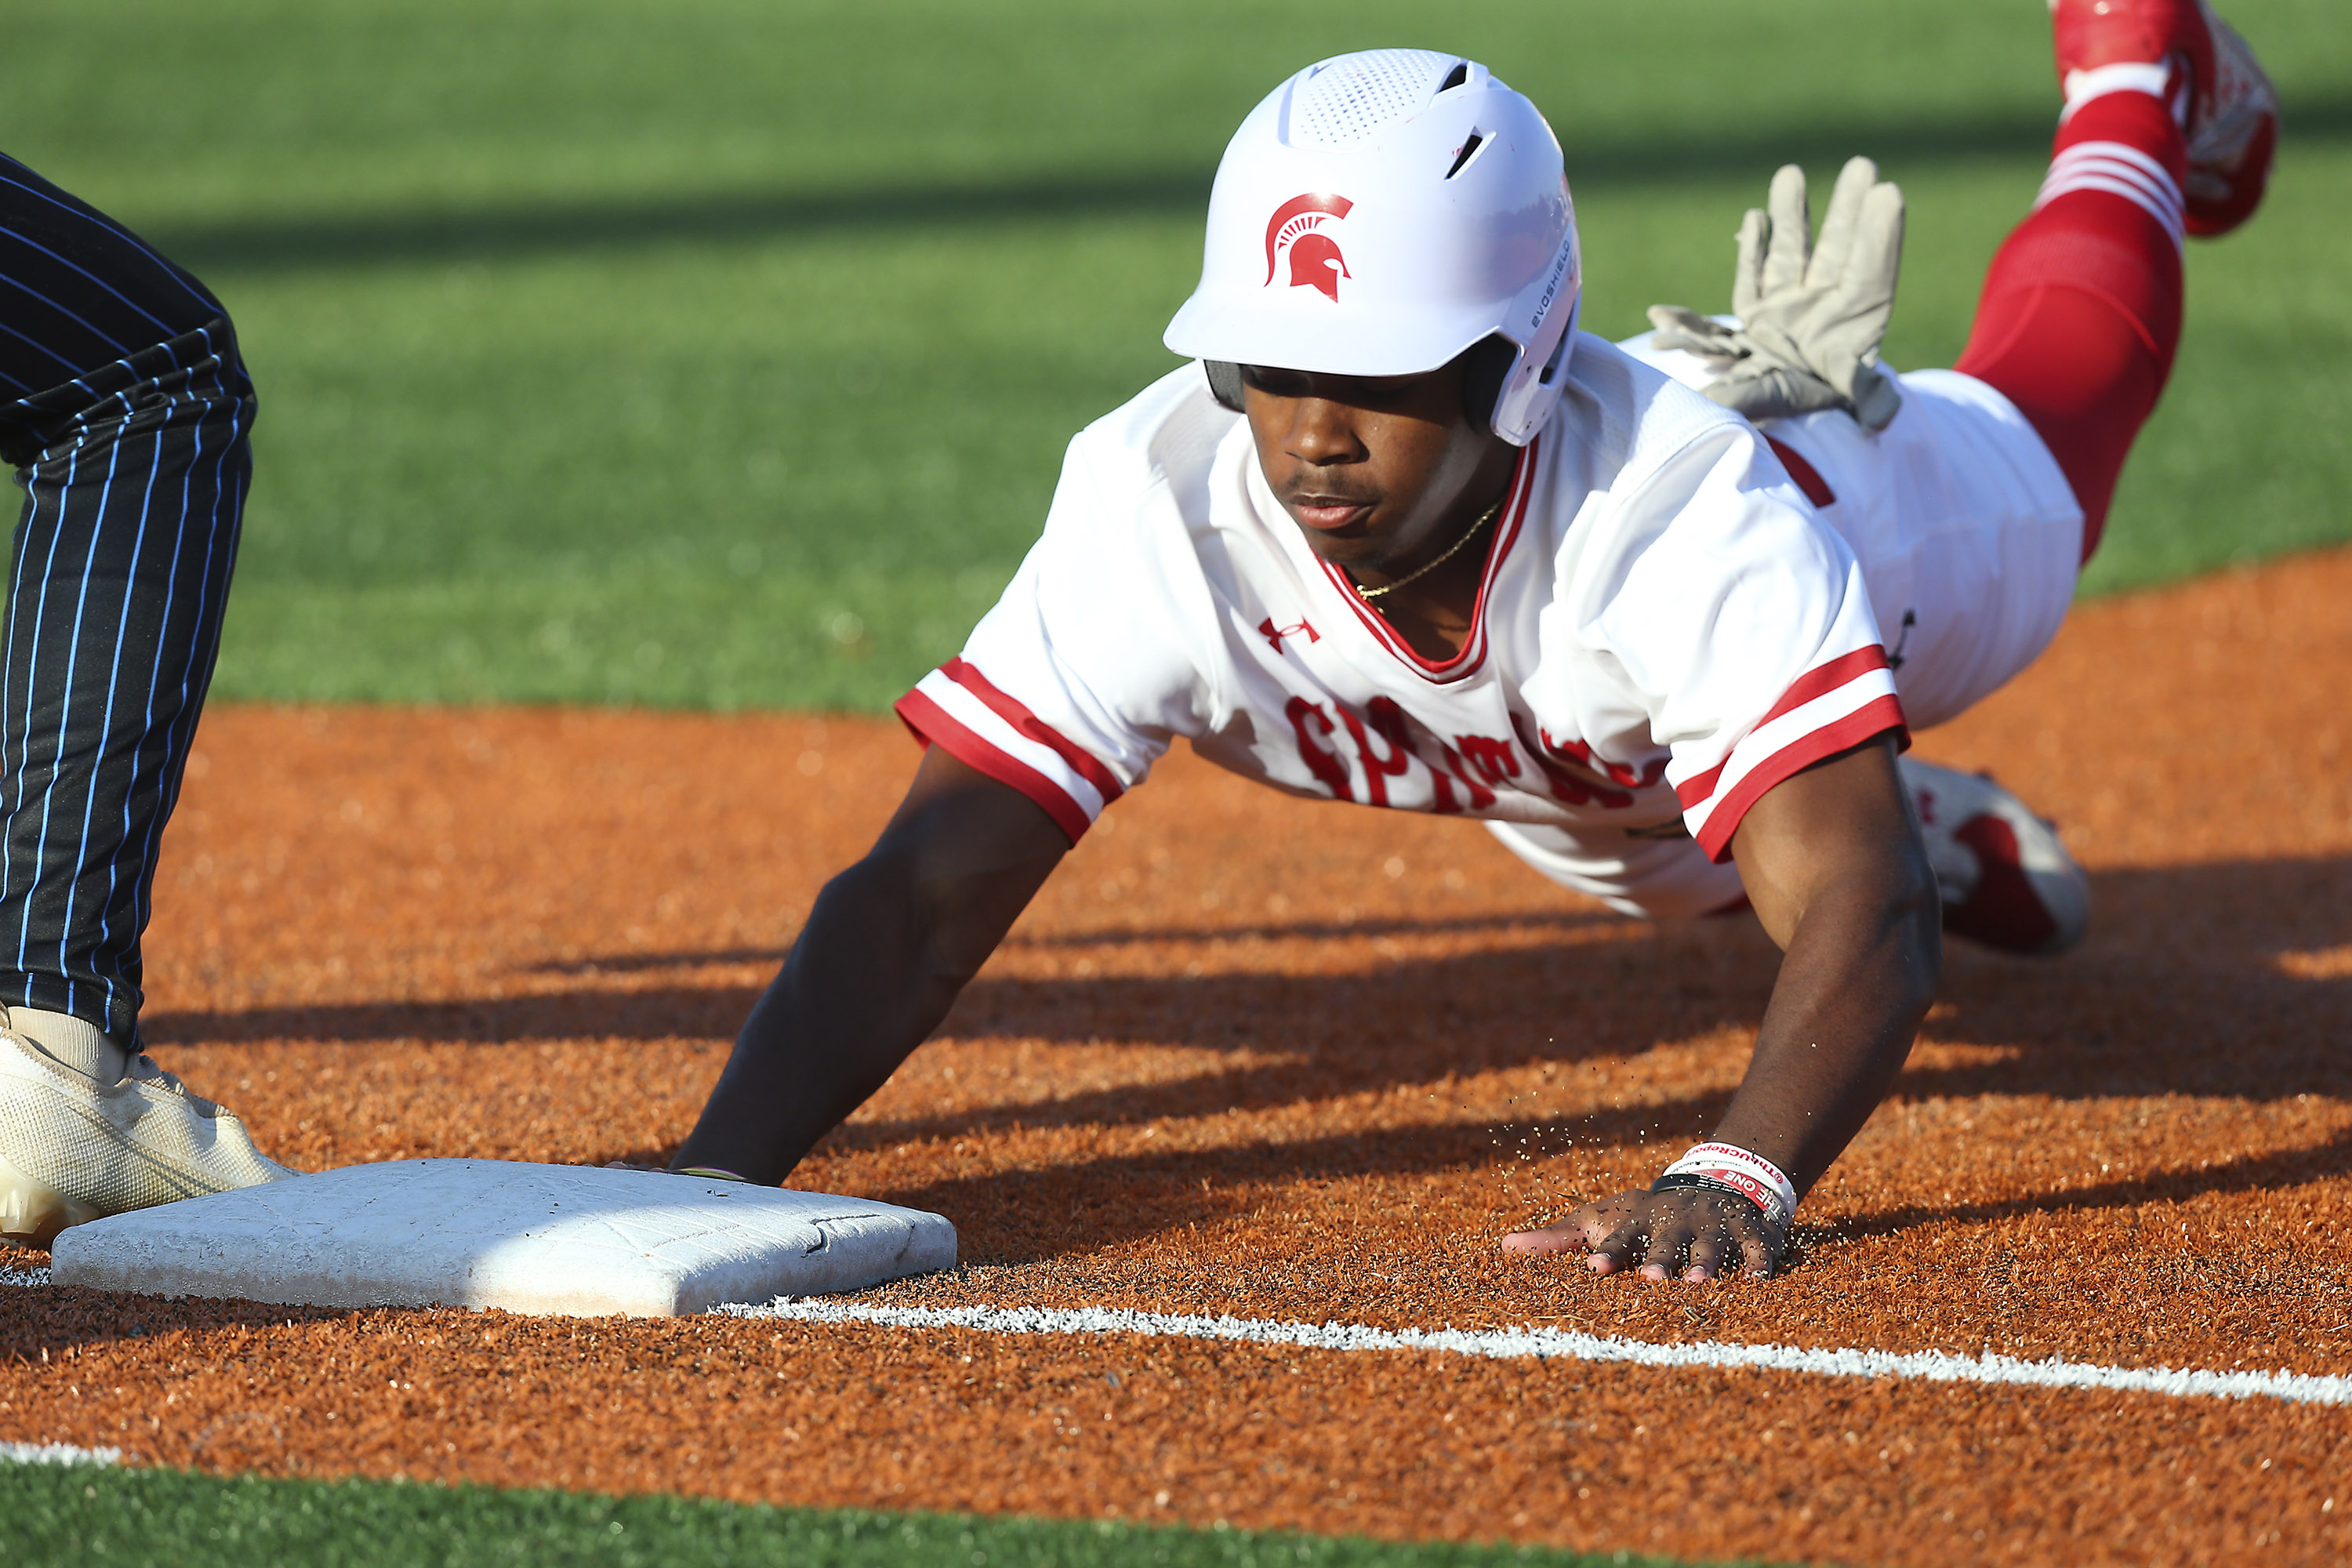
point(1380, 213)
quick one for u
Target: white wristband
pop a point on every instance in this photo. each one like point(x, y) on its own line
point(1752, 1175)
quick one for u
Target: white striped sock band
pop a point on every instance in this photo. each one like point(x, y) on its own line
point(2125, 75)
point(2118, 169)
point(1543, 1344)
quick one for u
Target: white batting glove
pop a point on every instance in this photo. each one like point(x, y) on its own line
point(1811, 315)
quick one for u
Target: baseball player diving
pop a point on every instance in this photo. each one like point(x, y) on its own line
point(1660, 614)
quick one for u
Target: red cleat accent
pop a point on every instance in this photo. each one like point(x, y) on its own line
point(2007, 881)
point(2231, 110)
point(2004, 911)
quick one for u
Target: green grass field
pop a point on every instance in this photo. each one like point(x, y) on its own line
point(720, 352)
point(76, 1516)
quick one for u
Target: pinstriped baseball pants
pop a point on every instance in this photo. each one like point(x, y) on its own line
point(126, 413)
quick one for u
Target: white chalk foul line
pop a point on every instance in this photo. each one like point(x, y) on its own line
point(1544, 1344)
point(57, 1453)
point(1492, 1344)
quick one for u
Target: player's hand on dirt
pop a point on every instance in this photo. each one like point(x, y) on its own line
point(1682, 1234)
point(1811, 314)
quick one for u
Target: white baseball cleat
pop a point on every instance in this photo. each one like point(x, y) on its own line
point(2006, 879)
point(75, 1148)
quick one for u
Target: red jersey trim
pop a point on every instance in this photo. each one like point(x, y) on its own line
point(934, 725)
point(1473, 648)
point(1873, 718)
point(1818, 681)
point(1694, 790)
point(1825, 678)
point(1809, 478)
point(1014, 713)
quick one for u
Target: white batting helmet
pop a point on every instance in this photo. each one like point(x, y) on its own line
point(1379, 214)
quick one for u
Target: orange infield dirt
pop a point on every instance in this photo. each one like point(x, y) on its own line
point(1257, 1056)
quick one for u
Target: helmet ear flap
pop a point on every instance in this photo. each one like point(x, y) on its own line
point(1225, 384)
point(1483, 371)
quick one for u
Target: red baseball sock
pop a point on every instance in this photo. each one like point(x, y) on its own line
point(2081, 309)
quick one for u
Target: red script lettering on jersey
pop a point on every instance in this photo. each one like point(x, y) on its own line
point(1323, 761)
point(1384, 719)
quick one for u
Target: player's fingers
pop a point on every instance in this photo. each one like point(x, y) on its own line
point(1599, 1221)
point(1747, 277)
point(1876, 252)
point(1549, 1239)
point(1618, 1249)
point(1738, 1239)
point(1670, 1242)
point(1791, 239)
point(1707, 1256)
point(1835, 247)
point(1760, 1249)
point(1580, 1232)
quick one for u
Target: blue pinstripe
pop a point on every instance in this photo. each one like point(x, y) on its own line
point(135, 459)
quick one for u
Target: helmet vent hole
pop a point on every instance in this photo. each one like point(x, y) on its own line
point(1356, 97)
point(1455, 77)
point(1551, 365)
point(1469, 151)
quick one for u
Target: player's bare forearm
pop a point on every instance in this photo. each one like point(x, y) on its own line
point(1833, 864)
point(888, 947)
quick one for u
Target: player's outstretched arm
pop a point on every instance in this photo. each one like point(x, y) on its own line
point(888, 945)
point(1832, 861)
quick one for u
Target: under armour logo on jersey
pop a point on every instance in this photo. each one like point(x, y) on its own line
point(1314, 258)
point(1273, 634)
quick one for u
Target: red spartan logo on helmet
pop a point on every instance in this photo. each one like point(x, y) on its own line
point(1314, 258)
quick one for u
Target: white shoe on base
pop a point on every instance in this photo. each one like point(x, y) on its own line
point(2006, 879)
point(75, 1148)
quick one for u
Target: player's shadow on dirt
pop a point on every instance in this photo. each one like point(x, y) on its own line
point(1295, 931)
point(2229, 982)
point(49, 1325)
point(1568, 1000)
point(1019, 1215)
point(2270, 1173)
point(649, 1014)
point(2224, 980)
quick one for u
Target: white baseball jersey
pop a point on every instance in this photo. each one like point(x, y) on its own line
point(1665, 629)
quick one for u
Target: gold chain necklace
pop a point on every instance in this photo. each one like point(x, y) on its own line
point(1468, 534)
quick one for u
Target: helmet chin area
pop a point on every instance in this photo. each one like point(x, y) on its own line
point(1383, 213)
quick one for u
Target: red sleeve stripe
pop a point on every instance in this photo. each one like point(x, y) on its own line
point(935, 724)
point(1876, 717)
point(1081, 761)
point(1824, 678)
point(1837, 704)
point(1698, 788)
